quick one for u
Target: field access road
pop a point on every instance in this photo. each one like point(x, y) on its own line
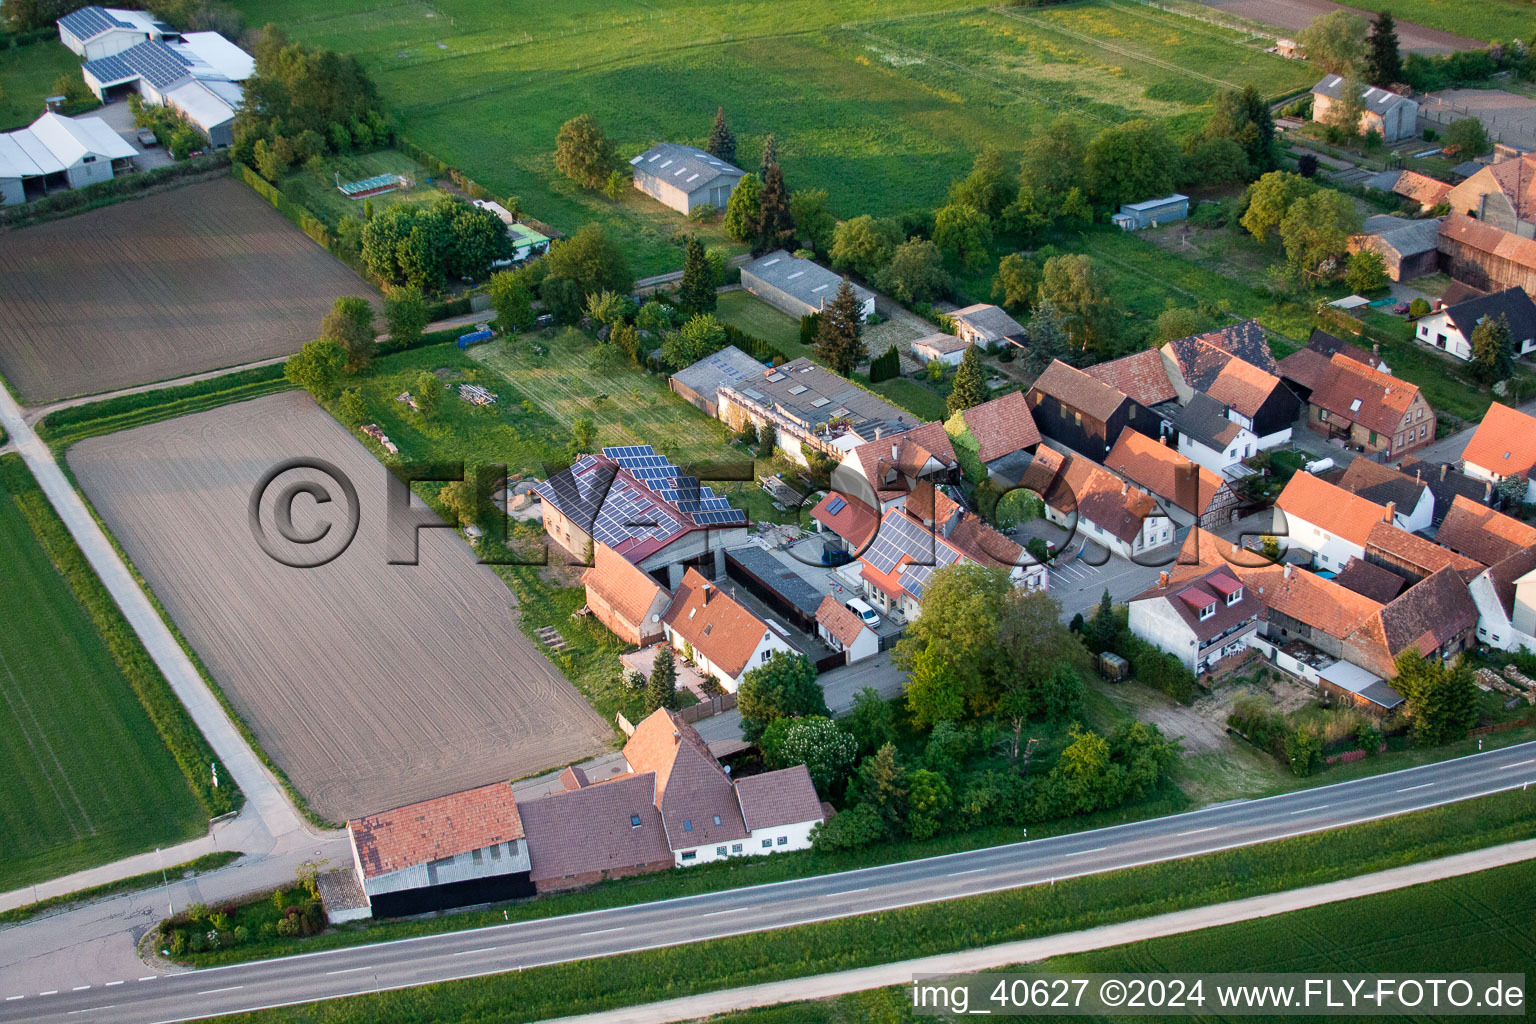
point(464, 954)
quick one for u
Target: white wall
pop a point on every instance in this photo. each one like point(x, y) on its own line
point(1161, 626)
point(766, 646)
point(1437, 331)
point(1218, 461)
point(947, 358)
point(82, 174)
point(1494, 628)
point(865, 645)
point(1332, 552)
point(513, 858)
point(1274, 440)
point(1483, 473)
point(11, 192)
point(1420, 517)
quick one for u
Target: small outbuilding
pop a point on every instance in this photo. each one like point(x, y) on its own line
point(701, 382)
point(940, 348)
point(1391, 115)
point(685, 177)
point(57, 152)
point(1151, 212)
point(842, 630)
point(1408, 248)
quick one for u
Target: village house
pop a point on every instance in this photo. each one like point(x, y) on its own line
point(674, 807)
point(684, 177)
point(1482, 534)
point(1141, 375)
point(1190, 493)
point(1412, 501)
point(842, 630)
point(1235, 367)
point(1486, 257)
point(1427, 192)
point(1503, 446)
point(1083, 496)
point(1206, 435)
point(1327, 345)
point(1501, 194)
point(1198, 620)
point(799, 286)
point(1412, 558)
point(1085, 414)
point(718, 634)
point(1446, 483)
point(1505, 595)
point(849, 520)
point(1304, 369)
point(1369, 410)
point(987, 325)
point(624, 598)
point(644, 508)
point(1436, 617)
point(1005, 435)
point(1330, 522)
point(1391, 115)
point(882, 473)
point(450, 851)
point(1450, 328)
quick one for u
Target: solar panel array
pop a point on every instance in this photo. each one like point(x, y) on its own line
point(900, 535)
point(669, 483)
point(89, 22)
point(160, 65)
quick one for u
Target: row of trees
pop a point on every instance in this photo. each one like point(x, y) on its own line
point(188, 15)
point(348, 340)
point(423, 245)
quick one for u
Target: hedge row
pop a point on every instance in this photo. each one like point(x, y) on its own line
point(192, 753)
point(108, 416)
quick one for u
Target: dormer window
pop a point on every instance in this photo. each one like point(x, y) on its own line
point(1234, 597)
point(1207, 612)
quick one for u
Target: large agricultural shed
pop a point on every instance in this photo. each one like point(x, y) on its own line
point(370, 685)
point(798, 286)
point(182, 281)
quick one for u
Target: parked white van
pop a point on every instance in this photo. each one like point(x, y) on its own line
point(866, 614)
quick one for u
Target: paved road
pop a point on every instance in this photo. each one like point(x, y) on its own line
point(496, 949)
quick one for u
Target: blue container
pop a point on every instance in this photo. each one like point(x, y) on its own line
point(475, 338)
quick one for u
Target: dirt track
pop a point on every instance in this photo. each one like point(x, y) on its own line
point(1295, 15)
point(184, 280)
point(370, 685)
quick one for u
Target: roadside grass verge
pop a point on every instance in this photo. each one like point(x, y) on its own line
point(85, 709)
point(68, 901)
point(1477, 922)
point(1068, 905)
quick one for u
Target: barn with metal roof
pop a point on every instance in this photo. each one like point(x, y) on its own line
point(684, 177)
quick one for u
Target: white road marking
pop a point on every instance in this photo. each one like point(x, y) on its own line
point(1079, 853)
point(214, 991)
point(1197, 831)
point(972, 871)
point(50, 992)
point(1410, 789)
point(349, 970)
point(80, 988)
point(1309, 810)
point(150, 977)
point(111, 983)
point(604, 931)
point(12, 999)
point(94, 1009)
point(1517, 764)
point(470, 952)
point(848, 892)
point(717, 913)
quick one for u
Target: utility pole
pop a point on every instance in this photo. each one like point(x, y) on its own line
point(170, 911)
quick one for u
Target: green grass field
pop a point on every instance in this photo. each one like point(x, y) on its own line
point(87, 777)
point(315, 189)
point(27, 74)
point(882, 104)
point(1502, 20)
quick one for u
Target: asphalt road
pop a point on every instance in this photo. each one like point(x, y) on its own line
point(620, 930)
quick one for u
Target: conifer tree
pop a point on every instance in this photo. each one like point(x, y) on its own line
point(775, 226)
point(662, 685)
point(722, 141)
point(1383, 62)
point(970, 387)
point(696, 294)
point(840, 337)
point(770, 156)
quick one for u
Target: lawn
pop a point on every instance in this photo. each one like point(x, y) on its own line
point(882, 104)
point(1501, 20)
point(72, 730)
point(744, 310)
point(27, 74)
point(314, 188)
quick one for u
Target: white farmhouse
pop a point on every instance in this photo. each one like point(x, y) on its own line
point(1450, 328)
point(718, 634)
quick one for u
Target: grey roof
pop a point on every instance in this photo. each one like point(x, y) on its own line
point(808, 394)
point(1408, 237)
point(778, 577)
point(1467, 168)
point(1351, 677)
point(1376, 99)
point(807, 281)
point(1513, 303)
point(1383, 180)
point(89, 22)
point(154, 61)
point(1445, 482)
point(992, 321)
point(1381, 484)
point(1205, 420)
point(727, 366)
point(1153, 204)
point(685, 167)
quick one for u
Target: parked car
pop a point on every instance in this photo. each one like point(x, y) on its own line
point(1401, 309)
point(147, 138)
point(866, 614)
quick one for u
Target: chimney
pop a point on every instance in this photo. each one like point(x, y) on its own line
point(1391, 515)
point(1125, 487)
point(1163, 438)
point(1482, 206)
point(878, 432)
point(1287, 570)
point(1487, 492)
point(1443, 467)
point(1162, 578)
point(704, 593)
point(1418, 476)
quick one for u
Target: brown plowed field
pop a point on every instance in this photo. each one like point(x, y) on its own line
point(370, 685)
point(186, 280)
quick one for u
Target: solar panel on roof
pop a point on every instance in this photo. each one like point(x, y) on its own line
point(818, 403)
point(799, 389)
point(836, 505)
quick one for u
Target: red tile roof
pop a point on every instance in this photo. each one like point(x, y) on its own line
point(1359, 394)
point(839, 621)
point(1425, 557)
point(1306, 367)
point(784, 797)
point(853, 521)
point(1077, 390)
point(1428, 616)
point(905, 454)
point(1164, 472)
point(712, 621)
point(1370, 580)
point(1496, 242)
point(1481, 533)
point(590, 829)
point(1186, 596)
point(1330, 507)
point(1307, 597)
point(432, 829)
point(1425, 190)
point(1504, 444)
point(1142, 375)
point(1102, 498)
point(624, 586)
point(1243, 386)
point(1002, 426)
point(697, 802)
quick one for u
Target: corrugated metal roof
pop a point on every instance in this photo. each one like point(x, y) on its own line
point(668, 160)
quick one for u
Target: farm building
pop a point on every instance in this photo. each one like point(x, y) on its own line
point(1502, 195)
point(1198, 620)
point(700, 383)
point(1005, 434)
point(798, 286)
point(1504, 446)
point(987, 325)
point(96, 32)
point(684, 177)
point(810, 407)
point(526, 242)
point(1362, 407)
point(844, 631)
point(1408, 248)
point(198, 74)
point(777, 583)
point(1084, 413)
point(1421, 188)
point(451, 851)
point(718, 634)
point(1151, 212)
point(1323, 518)
point(646, 509)
point(1482, 534)
point(624, 598)
point(1450, 329)
point(1141, 375)
point(1391, 115)
point(940, 348)
point(1486, 257)
point(57, 152)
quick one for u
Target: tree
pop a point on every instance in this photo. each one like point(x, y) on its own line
point(1335, 42)
point(1269, 198)
point(1467, 138)
point(949, 651)
point(881, 782)
point(840, 335)
point(479, 238)
point(1365, 272)
point(1383, 63)
point(1219, 162)
point(988, 187)
point(767, 439)
point(770, 156)
point(928, 800)
point(1316, 231)
point(352, 407)
point(1035, 653)
point(741, 210)
point(970, 386)
point(696, 293)
point(583, 434)
point(405, 315)
point(827, 752)
point(700, 336)
point(583, 153)
point(607, 309)
point(562, 299)
point(864, 244)
point(1441, 701)
point(465, 500)
point(1242, 117)
point(429, 394)
point(317, 367)
point(1130, 162)
point(808, 209)
point(661, 687)
point(1054, 158)
point(1175, 323)
point(963, 232)
point(592, 260)
point(350, 325)
point(1342, 119)
point(785, 687)
point(1048, 337)
point(775, 227)
point(1078, 289)
point(511, 300)
point(1017, 282)
point(1493, 350)
point(916, 272)
point(722, 141)
point(870, 721)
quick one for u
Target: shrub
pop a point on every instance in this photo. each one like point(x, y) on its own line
point(178, 942)
point(198, 943)
point(288, 928)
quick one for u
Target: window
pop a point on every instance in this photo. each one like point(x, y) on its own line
point(476, 856)
point(1235, 596)
point(1373, 437)
point(634, 821)
point(735, 847)
point(687, 824)
point(717, 821)
point(767, 656)
point(783, 840)
point(767, 844)
point(1206, 612)
point(496, 852)
point(1322, 414)
point(690, 855)
point(719, 851)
